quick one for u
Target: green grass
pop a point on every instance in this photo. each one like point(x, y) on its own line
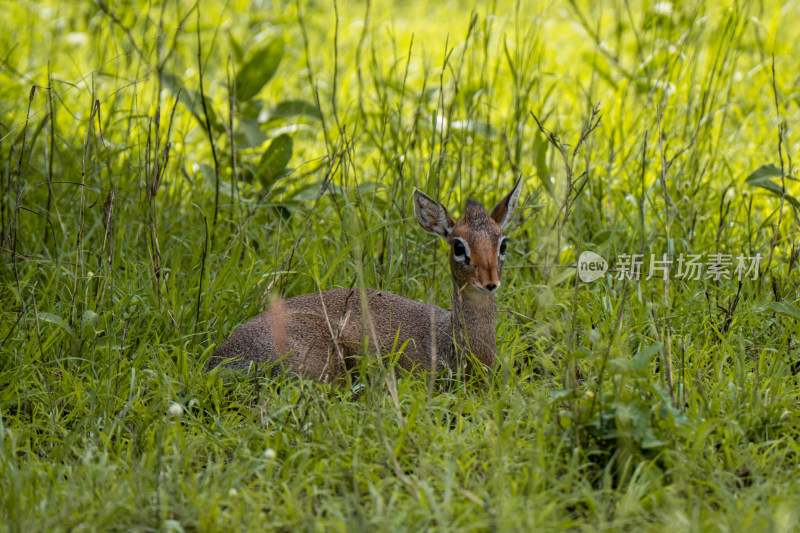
point(138, 232)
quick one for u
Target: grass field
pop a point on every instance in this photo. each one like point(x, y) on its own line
point(169, 168)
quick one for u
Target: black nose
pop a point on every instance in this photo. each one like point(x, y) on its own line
point(491, 287)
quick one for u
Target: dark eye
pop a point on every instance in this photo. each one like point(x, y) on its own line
point(460, 251)
point(503, 245)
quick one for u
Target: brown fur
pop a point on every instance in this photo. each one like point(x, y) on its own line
point(319, 335)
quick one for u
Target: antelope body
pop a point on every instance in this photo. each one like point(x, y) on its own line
point(320, 335)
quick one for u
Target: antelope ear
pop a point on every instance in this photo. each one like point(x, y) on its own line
point(503, 212)
point(432, 216)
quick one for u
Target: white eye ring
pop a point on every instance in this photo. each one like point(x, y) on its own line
point(501, 252)
point(464, 258)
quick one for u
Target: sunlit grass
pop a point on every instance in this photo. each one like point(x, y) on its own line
point(134, 240)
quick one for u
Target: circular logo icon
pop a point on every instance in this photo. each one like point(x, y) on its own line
point(591, 266)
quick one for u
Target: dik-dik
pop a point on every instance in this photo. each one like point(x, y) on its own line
point(320, 335)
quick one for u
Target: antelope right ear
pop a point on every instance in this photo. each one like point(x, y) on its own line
point(432, 216)
point(503, 212)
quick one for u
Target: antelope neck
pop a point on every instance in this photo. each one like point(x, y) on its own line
point(473, 324)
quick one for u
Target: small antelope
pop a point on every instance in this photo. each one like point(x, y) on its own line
point(319, 335)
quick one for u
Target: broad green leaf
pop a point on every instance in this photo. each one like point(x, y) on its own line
point(292, 108)
point(55, 319)
point(765, 171)
point(250, 134)
point(766, 183)
point(259, 69)
point(370, 186)
point(236, 48)
point(762, 177)
point(210, 179)
point(309, 192)
point(650, 441)
point(192, 101)
point(274, 160)
point(540, 156)
point(561, 396)
point(643, 357)
point(90, 317)
point(783, 309)
point(621, 365)
point(580, 353)
point(251, 109)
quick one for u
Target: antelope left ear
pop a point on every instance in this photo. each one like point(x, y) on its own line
point(432, 216)
point(503, 212)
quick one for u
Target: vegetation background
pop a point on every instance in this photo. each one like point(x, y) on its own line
point(168, 167)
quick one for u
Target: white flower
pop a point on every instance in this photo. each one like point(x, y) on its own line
point(663, 8)
point(75, 38)
point(232, 492)
point(270, 454)
point(175, 409)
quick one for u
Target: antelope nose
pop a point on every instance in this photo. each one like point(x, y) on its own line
point(491, 287)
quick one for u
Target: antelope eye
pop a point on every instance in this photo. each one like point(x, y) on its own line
point(460, 251)
point(503, 245)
